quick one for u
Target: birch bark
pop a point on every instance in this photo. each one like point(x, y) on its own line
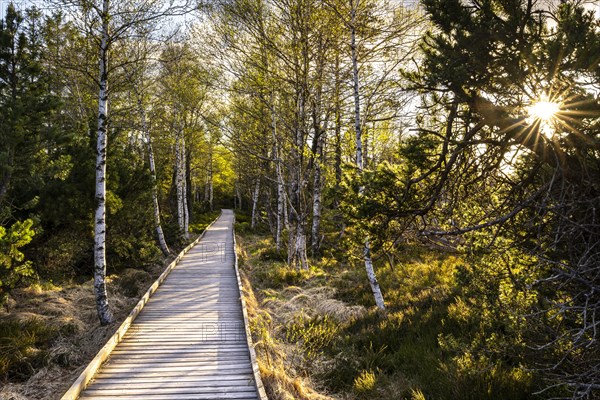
point(184, 191)
point(255, 196)
point(317, 195)
point(179, 182)
point(146, 131)
point(279, 175)
point(210, 180)
point(359, 153)
point(297, 256)
point(102, 306)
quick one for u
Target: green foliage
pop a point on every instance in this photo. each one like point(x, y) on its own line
point(279, 275)
point(313, 334)
point(202, 220)
point(365, 382)
point(13, 267)
point(453, 327)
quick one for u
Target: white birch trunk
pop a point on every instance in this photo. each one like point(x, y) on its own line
point(179, 183)
point(297, 236)
point(210, 184)
point(359, 156)
point(280, 188)
point(281, 217)
point(317, 195)
point(158, 226)
point(186, 215)
point(255, 196)
point(102, 306)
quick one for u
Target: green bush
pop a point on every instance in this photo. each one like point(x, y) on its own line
point(13, 267)
point(313, 334)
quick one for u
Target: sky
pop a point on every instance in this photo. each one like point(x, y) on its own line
point(43, 4)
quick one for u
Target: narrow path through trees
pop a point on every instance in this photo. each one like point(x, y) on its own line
point(189, 342)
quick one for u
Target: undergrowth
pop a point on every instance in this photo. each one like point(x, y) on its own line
point(319, 329)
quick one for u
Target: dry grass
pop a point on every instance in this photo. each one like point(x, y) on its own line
point(276, 313)
point(69, 313)
point(279, 373)
point(294, 301)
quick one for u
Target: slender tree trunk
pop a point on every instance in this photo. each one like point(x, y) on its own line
point(210, 181)
point(338, 218)
point(104, 313)
point(255, 197)
point(238, 196)
point(359, 156)
point(186, 215)
point(180, 183)
point(279, 175)
point(317, 195)
point(211, 193)
point(206, 187)
point(338, 135)
point(281, 214)
point(365, 147)
point(297, 233)
point(189, 200)
point(146, 130)
point(267, 195)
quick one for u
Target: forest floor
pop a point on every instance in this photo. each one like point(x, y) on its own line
point(49, 332)
point(318, 334)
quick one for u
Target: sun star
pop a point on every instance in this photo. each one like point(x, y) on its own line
point(543, 110)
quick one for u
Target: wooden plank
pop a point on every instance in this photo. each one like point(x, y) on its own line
point(172, 367)
point(175, 374)
point(179, 349)
point(169, 360)
point(211, 396)
point(168, 380)
point(174, 383)
point(207, 353)
point(171, 390)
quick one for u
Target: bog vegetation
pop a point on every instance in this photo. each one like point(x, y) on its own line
point(418, 185)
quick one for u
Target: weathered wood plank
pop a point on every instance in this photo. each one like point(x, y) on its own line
point(166, 380)
point(128, 391)
point(149, 396)
point(178, 349)
point(174, 374)
point(185, 360)
point(135, 384)
point(175, 366)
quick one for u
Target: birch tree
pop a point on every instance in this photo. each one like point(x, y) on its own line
point(184, 96)
point(148, 139)
point(139, 75)
point(107, 23)
point(359, 151)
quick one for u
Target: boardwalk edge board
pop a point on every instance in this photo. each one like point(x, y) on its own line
point(255, 370)
point(88, 373)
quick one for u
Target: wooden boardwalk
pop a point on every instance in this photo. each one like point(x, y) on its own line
point(189, 341)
